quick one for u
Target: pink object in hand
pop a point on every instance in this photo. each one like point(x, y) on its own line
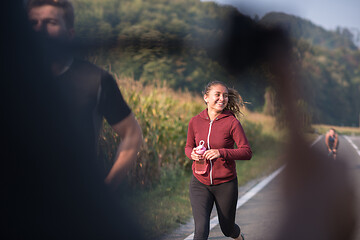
point(201, 165)
point(200, 149)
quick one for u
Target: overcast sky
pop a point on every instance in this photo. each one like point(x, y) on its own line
point(326, 13)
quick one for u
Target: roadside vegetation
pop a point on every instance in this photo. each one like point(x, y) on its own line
point(343, 130)
point(176, 42)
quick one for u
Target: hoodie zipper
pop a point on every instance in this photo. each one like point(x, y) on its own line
point(208, 143)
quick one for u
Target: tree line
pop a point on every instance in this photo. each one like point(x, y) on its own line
point(176, 42)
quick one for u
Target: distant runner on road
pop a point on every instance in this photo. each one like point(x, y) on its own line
point(332, 142)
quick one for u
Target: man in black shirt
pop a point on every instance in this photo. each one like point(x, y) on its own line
point(86, 92)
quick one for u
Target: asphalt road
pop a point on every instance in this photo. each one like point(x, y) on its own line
point(262, 215)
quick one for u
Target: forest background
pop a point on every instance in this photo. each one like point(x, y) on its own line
point(160, 52)
point(169, 42)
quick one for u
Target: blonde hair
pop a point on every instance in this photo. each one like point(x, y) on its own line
point(235, 102)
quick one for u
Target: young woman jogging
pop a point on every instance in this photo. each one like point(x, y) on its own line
point(214, 177)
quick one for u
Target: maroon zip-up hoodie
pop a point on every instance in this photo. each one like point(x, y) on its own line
point(221, 134)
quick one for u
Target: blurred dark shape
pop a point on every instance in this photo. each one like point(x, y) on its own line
point(50, 191)
point(319, 196)
point(246, 44)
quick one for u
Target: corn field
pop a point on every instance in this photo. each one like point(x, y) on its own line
point(163, 115)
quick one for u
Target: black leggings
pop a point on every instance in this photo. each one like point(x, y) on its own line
point(202, 199)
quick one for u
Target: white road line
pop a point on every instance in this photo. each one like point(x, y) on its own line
point(352, 144)
point(257, 188)
point(251, 193)
point(317, 139)
point(241, 201)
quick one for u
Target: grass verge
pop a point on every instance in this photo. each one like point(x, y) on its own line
point(165, 206)
point(263, 162)
point(322, 129)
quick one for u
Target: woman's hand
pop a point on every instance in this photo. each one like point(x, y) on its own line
point(211, 154)
point(195, 156)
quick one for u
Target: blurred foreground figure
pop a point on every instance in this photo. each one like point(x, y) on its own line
point(319, 196)
point(51, 182)
point(87, 92)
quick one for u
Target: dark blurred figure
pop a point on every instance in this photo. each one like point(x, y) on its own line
point(320, 201)
point(319, 197)
point(51, 182)
point(88, 92)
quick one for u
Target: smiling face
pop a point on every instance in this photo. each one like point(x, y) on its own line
point(50, 21)
point(217, 98)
